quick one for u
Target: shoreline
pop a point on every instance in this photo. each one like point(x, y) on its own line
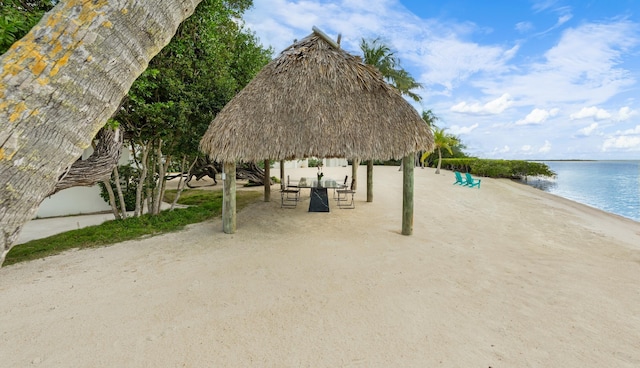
point(590, 207)
point(583, 182)
point(504, 275)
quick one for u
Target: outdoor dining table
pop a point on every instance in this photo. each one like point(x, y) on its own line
point(319, 198)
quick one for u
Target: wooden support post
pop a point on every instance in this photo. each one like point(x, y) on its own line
point(267, 181)
point(354, 172)
point(229, 197)
point(407, 194)
point(282, 172)
point(370, 181)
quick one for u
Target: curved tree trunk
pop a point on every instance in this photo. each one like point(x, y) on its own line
point(59, 85)
point(98, 166)
point(251, 172)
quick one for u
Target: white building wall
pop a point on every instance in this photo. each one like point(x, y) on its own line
point(327, 162)
point(73, 201)
point(335, 162)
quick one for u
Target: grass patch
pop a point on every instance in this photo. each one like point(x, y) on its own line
point(203, 205)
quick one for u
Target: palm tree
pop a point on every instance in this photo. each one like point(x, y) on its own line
point(430, 118)
point(441, 140)
point(380, 55)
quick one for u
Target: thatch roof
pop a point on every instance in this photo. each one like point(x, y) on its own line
point(316, 100)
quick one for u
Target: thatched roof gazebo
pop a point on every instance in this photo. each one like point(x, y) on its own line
point(316, 100)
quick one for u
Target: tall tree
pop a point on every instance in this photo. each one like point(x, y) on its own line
point(61, 82)
point(378, 54)
point(442, 140)
point(170, 106)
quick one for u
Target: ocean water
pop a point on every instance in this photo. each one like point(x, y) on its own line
point(612, 186)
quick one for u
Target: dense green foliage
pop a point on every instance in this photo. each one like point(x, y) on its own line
point(203, 205)
point(170, 106)
point(17, 17)
point(513, 169)
point(208, 61)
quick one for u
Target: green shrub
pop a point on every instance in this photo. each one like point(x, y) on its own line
point(512, 169)
point(313, 162)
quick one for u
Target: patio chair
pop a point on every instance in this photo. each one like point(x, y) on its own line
point(343, 196)
point(340, 186)
point(289, 196)
point(459, 179)
point(471, 182)
point(291, 184)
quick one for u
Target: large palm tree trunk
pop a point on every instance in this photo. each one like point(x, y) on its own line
point(59, 85)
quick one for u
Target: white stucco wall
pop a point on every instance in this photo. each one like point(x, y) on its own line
point(73, 201)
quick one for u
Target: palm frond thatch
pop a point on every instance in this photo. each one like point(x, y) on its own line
point(315, 100)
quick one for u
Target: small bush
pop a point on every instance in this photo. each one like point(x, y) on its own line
point(313, 162)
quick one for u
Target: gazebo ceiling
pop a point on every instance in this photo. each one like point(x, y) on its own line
point(316, 100)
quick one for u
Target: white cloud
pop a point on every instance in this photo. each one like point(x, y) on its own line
point(627, 143)
point(449, 61)
point(586, 66)
point(545, 148)
point(586, 131)
point(627, 140)
point(524, 27)
point(526, 148)
point(591, 112)
point(564, 19)
point(456, 130)
point(625, 113)
point(538, 116)
point(632, 131)
point(494, 107)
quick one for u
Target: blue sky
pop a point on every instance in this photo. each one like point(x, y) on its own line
point(514, 79)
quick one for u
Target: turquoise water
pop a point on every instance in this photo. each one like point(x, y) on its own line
point(612, 186)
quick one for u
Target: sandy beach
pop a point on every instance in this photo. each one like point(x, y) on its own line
point(501, 276)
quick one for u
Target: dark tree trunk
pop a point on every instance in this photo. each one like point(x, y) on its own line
point(252, 173)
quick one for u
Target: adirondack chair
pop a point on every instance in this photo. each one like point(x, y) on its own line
point(471, 182)
point(459, 179)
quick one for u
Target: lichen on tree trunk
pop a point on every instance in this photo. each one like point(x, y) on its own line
point(59, 85)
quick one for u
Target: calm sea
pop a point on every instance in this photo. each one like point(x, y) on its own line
point(612, 186)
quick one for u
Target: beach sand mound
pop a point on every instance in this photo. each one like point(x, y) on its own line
point(502, 276)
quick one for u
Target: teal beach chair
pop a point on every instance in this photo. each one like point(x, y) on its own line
point(471, 182)
point(459, 179)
